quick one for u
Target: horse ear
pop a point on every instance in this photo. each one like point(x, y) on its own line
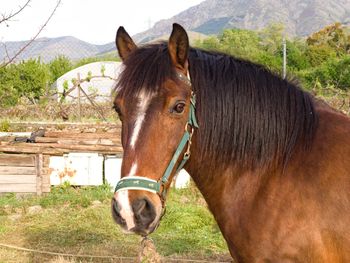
point(179, 47)
point(124, 43)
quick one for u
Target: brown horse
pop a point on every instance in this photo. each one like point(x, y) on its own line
point(272, 163)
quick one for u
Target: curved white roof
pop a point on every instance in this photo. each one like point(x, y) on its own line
point(103, 86)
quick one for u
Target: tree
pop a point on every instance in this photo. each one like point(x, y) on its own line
point(28, 79)
point(34, 78)
point(333, 73)
point(271, 38)
point(7, 18)
point(59, 66)
point(333, 37)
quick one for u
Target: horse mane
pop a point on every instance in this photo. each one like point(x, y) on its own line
point(248, 115)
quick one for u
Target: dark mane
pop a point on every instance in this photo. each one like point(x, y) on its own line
point(247, 114)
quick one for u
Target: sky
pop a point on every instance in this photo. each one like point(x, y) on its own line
point(94, 21)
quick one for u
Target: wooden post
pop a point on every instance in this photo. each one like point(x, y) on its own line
point(79, 102)
point(284, 57)
point(92, 103)
point(39, 160)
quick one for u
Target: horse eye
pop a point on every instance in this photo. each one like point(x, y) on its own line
point(179, 107)
point(118, 111)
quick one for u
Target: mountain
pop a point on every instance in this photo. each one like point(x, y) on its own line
point(301, 17)
point(49, 48)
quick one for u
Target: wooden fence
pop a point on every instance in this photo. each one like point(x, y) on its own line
point(24, 173)
point(24, 167)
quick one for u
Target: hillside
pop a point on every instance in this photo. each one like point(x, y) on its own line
point(49, 48)
point(301, 17)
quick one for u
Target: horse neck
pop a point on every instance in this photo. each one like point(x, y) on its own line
point(229, 196)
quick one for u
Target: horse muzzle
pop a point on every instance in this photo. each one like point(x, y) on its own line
point(139, 216)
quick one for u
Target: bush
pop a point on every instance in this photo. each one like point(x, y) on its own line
point(59, 66)
point(334, 72)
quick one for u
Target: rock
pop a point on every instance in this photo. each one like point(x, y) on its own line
point(34, 209)
point(113, 130)
point(15, 217)
point(95, 203)
point(90, 130)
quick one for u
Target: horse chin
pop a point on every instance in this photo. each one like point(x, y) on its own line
point(140, 232)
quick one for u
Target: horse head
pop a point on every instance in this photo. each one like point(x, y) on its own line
point(155, 104)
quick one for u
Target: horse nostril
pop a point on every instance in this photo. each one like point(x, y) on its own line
point(116, 212)
point(139, 205)
point(144, 211)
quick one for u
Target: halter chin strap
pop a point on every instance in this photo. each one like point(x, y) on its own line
point(159, 187)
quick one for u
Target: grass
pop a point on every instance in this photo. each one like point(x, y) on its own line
point(70, 224)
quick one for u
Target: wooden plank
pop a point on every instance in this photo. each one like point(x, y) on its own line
point(58, 149)
point(39, 166)
point(16, 160)
point(46, 179)
point(46, 160)
point(45, 170)
point(89, 148)
point(17, 170)
point(29, 148)
point(81, 141)
point(15, 134)
point(46, 188)
point(96, 135)
point(17, 188)
point(17, 179)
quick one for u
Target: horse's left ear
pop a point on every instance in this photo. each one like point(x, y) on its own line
point(124, 43)
point(179, 47)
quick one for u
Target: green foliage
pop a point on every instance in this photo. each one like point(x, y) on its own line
point(336, 37)
point(317, 55)
point(4, 126)
point(321, 58)
point(9, 80)
point(89, 76)
point(271, 38)
point(296, 55)
point(34, 79)
point(103, 70)
point(241, 43)
point(59, 66)
point(27, 79)
point(320, 61)
point(334, 73)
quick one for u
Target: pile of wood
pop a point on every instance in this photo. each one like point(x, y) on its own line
point(24, 157)
point(24, 173)
point(61, 142)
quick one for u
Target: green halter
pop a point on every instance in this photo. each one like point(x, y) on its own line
point(158, 187)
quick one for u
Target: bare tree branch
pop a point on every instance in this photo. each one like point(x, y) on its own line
point(33, 38)
point(8, 17)
point(7, 53)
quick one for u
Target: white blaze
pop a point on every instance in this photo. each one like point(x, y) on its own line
point(126, 211)
point(123, 200)
point(143, 103)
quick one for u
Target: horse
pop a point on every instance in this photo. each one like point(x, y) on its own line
point(271, 161)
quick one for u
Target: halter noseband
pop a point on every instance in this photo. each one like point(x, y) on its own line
point(158, 187)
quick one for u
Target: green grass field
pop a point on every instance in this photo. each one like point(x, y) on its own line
point(70, 223)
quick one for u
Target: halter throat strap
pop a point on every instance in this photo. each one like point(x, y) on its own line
point(159, 187)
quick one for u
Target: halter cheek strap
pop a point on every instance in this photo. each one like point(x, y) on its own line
point(159, 187)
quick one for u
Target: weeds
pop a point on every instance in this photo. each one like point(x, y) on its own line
point(4, 125)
